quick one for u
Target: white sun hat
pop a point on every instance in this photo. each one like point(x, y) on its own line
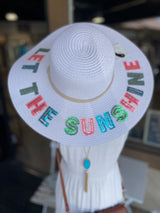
point(85, 84)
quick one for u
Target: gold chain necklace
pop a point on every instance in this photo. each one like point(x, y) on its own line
point(86, 165)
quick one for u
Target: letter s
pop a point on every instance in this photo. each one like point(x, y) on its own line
point(71, 123)
point(119, 113)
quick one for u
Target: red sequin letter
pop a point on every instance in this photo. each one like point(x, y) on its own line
point(35, 103)
point(131, 99)
point(36, 57)
point(132, 66)
point(91, 126)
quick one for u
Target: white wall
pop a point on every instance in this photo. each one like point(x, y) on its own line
point(152, 195)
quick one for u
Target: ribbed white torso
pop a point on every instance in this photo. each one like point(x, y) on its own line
point(104, 179)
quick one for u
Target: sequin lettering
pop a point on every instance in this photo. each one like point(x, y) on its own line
point(132, 66)
point(131, 99)
point(135, 78)
point(135, 91)
point(42, 50)
point(91, 126)
point(38, 107)
point(31, 67)
point(31, 89)
point(72, 128)
point(119, 113)
point(127, 105)
point(71, 123)
point(47, 115)
point(105, 122)
point(36, 57)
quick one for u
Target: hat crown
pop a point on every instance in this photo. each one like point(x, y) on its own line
point(82, 61)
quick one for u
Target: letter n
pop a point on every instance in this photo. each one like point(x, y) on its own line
point(105, 122)
point(135, 79)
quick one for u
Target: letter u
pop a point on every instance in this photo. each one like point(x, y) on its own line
point(91, 128)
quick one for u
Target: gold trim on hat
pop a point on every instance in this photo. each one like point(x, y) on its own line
point(74, 99)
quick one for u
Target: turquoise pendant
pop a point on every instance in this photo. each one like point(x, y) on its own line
point(87, 163)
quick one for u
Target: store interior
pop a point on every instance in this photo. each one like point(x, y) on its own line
point(26, 158)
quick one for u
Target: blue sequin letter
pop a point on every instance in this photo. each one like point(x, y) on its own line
point(31, 67)
point(47, 115)
point(105, 122)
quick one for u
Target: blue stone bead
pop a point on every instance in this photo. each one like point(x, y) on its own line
point(87, 163)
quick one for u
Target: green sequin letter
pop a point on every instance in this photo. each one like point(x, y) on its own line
point(72, 128)
point(119, 113)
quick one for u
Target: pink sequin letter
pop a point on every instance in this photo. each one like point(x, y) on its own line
point(36, 57)
point(91, 126)
point(36, 103)
point(131, 99)
point(132, 66)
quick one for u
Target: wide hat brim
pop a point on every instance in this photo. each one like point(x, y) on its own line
point(81, 123)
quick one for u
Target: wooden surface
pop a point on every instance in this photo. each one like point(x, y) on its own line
point(152, 196)
point(141, 152)
point(57, 11)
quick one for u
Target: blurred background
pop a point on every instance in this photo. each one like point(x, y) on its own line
point(25, 156)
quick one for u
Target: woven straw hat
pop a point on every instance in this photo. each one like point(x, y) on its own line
point(84, 84)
